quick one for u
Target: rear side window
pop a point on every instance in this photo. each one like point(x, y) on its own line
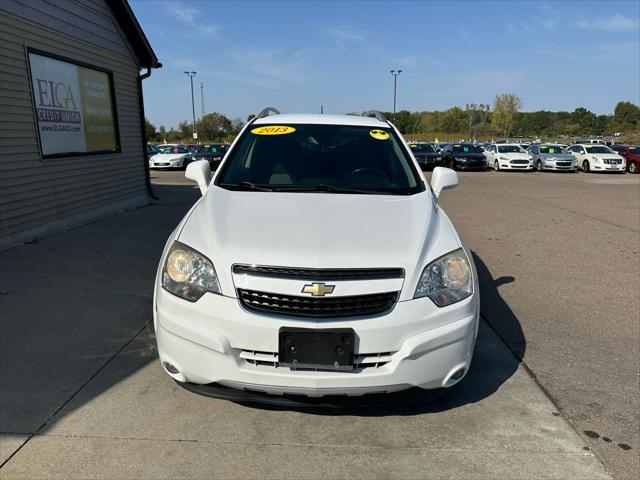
point(302, 157)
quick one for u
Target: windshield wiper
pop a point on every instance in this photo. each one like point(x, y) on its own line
point(330, 189)
point(246, 186)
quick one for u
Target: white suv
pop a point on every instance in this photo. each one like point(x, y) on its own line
point(317, 262)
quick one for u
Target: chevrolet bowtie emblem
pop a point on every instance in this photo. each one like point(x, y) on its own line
point(318, 289)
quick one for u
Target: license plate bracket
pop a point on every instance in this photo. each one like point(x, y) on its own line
point(324, 349)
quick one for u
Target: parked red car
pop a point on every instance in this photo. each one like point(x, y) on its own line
point(631, 153)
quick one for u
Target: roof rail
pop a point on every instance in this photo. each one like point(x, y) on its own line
point(267, 111)
point(377, 114)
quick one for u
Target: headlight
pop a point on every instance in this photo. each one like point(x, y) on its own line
point(188, 274)
point(595, 159)
point(446, 280)
point(503, 158)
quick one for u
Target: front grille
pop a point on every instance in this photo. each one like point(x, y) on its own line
point(519, 162)
point(612, 161)
point(320, 274)
point(355, 305)
point(563, 164)
point(360, 361)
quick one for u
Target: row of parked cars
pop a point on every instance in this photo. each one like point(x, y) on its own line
point(588, 157)
point(180, 155)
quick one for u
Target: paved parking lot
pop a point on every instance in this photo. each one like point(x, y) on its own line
point(558, 255)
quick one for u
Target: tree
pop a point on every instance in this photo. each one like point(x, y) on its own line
point(505, 108)
point(214, 127)
point(485, 115)
point(471, 111)
point(186, 130)
point(626, 116)
point(584, 120)
point(453, 120)
point(250, 117)
point(150, 130)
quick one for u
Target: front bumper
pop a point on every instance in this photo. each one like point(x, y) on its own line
point(167, 164)
point(215, 340)
point(467, 164)
point(550, 165)
point(604, 167)
point(516, 166)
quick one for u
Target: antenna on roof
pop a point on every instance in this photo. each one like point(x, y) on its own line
point(377, 114)
point(267, 111)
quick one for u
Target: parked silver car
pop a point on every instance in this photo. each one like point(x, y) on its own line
point(552, 156)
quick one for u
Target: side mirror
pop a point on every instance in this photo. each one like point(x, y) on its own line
point(199, 172)
point(442, 179)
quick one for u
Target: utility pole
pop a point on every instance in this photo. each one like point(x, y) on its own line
point(193, 105)
point(202, 97)
point(395, 74)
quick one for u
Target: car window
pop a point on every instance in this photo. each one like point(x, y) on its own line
point(599, 149)
point(634, 150)
point(422, 148)
point(551, 149)
point(510, 149)
point(466, 148)
point(309, 156)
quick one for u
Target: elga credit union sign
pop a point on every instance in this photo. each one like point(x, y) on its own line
point(73, 106)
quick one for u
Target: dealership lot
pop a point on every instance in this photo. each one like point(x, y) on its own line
point(558, 257)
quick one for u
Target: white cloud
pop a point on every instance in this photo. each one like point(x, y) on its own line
point(415, 60)
point(609, 52)
point(343, 35)
point(613, 23)
point(189, 16)
point(271, 66)
point(550, 18)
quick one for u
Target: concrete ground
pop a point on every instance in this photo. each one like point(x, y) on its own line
point(83, 396)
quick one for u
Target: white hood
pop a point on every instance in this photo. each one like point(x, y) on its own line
point(515, 156)
point(167, 157)
point(316, 230)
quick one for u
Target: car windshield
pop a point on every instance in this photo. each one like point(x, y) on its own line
point(599, 149)
point(634, 150)
point(324, 158)
point(466, 148)
point(552, 149)
point(510, 149)
point(422, 148)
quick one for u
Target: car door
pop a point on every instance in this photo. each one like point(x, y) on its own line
point(534, 151)
point(579, 153)
point(491, 155)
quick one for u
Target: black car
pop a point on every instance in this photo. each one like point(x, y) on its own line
point(425, 154)
point(212, 153)
point(464, 156)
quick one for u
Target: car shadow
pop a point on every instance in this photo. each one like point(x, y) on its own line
point(499, 350)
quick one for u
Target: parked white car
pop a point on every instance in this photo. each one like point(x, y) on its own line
point(176, 156)
point(508, 156)
point(317, 262)
point(597, 158)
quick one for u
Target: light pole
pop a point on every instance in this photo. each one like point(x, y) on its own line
point(193, 105)
point(395, 74)
point(202, 96)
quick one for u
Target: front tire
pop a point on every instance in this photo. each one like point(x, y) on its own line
point(585, 166)
point(496, 166)
point(539, 165)
point(633, 167)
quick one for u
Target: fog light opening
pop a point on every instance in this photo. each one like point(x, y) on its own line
point(169, 367)
point(458, 374)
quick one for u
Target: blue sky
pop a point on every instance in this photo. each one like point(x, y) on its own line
point(298, 55)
